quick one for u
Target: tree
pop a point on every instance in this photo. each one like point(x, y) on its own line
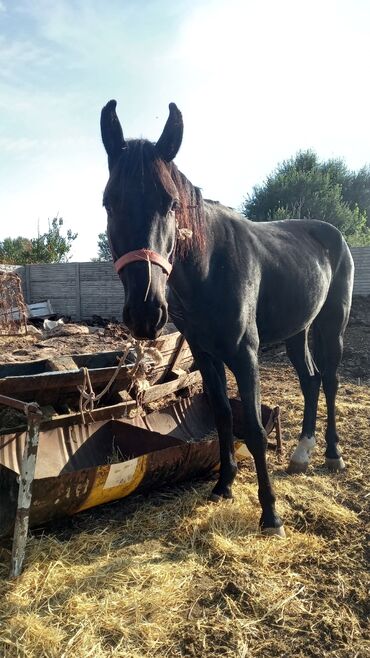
point(49, 247)
point(104, 252)
point(355, 185)
point(304, 187)
point(13, 249)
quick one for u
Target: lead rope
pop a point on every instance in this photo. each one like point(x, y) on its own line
point(149, 278)
point(87, 394)
point(137, 374)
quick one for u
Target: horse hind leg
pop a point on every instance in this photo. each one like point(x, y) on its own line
point(328, 333)
point(310, 380)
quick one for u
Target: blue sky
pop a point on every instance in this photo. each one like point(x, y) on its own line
point(256, 80)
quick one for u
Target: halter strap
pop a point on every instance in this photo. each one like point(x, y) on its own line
point(143, 254)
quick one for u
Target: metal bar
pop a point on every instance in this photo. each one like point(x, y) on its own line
point(25, 493)
point(12, 402)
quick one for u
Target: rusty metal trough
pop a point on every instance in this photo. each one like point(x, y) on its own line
point(82, 466)
point(66, 464)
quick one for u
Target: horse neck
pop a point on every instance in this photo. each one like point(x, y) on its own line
point(191, 261)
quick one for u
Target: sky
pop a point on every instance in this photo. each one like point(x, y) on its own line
point(256, 81)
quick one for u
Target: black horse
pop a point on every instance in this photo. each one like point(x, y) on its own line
point(233, 285)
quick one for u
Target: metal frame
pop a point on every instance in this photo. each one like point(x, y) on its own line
point(34, 417)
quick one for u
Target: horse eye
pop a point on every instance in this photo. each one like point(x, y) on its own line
point(175, 205)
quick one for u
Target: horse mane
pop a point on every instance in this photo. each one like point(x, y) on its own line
point(190, 211)
point(189, 214)
point(139, 161)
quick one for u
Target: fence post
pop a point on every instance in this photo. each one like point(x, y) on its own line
point(78, 292)
point(26, 478)
point(27, 272)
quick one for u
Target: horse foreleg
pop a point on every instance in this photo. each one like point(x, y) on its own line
point(246, 371)
point(213, 373)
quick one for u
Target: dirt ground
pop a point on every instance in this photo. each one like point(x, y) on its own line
point(71, 339)
point(169, 575)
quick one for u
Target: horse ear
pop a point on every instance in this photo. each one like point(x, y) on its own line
point(111, 132)
point(169, 142)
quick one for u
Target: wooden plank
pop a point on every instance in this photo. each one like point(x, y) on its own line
point(38, 310)
point(161, 390)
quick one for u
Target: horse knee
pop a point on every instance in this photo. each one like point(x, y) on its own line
point(256, 442)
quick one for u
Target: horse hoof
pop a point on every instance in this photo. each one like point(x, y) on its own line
point(218, 498)
point(274, 532)
point(335, 464)
point(297, 467)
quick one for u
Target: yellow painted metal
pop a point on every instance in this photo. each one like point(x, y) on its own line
point(114, 481)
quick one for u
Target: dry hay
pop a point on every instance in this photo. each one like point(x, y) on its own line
point(170, 576)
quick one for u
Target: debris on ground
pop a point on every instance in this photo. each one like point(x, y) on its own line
point(33, 331)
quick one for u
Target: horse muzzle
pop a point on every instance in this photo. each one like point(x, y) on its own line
point(145, 321)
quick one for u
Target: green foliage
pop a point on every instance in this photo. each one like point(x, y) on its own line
point(104, 252)
point(304, 187)
point(49, 247)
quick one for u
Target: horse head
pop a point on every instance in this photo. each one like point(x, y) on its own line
point(141, 199)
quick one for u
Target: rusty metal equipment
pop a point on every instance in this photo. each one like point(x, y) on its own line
point(25, 479)
point(81, 466)
point(13, 310)
point(51, 467)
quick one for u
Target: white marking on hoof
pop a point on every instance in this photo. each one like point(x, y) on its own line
point(274, 532)
point(302, 455)
point(335, 464)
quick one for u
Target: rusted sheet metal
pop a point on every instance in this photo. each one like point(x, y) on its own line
point(32, 380)
point(82, 466)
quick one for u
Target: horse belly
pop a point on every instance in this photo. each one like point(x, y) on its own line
point(289, 311)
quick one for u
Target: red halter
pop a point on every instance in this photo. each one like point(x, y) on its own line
point(143, 254)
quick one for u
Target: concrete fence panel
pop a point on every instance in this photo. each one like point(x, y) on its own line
point(81, 290)
point(361, 257)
